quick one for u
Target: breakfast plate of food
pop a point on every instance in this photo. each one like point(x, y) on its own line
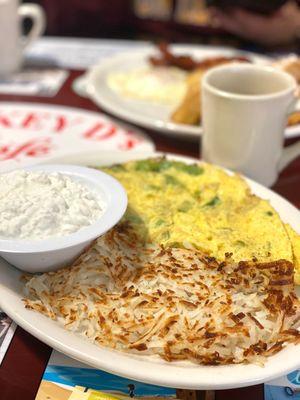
point(159, 87)
point(195, 287)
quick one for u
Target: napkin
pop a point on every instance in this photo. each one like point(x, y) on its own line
point(34, 82)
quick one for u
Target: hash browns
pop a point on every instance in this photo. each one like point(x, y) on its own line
point(175, 303)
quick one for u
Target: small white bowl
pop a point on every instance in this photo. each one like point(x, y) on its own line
point(52, 253)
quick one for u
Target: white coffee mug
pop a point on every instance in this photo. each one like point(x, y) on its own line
point(12, 43)
point(244, 114)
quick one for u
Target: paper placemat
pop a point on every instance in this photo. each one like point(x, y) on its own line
point(287, 387)
point(68, 379)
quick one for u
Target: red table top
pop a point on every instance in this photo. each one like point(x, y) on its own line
point(26, 359)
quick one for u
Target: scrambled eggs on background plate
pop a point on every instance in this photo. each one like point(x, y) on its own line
point(201, 206)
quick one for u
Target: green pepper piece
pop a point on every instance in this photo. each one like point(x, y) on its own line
point(185, 206)
point(213, 202)
point(159, 222)
point(171, 180)
point(192, 169)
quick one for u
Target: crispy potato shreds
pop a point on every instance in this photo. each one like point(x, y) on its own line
point(175, 303)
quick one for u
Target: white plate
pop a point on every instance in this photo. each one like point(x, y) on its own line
point(147, 114)
point(142, 368)
point(31, 132)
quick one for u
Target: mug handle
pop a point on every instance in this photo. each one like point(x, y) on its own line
point(37, 15)
point(293, 151)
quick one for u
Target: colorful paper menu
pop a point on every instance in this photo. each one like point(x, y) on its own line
point(68, 379)
point(284, 388)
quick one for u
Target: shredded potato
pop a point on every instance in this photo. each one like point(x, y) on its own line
point(175, 303)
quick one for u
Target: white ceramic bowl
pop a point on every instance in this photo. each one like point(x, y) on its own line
point(52, 253)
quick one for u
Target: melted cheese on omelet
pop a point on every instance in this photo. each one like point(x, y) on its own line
point(176, 204)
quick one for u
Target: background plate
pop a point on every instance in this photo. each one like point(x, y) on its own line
point(144, 113)
point(31, 133)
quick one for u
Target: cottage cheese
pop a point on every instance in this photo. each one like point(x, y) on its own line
point(37, 205)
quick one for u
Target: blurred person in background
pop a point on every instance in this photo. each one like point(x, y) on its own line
point(173, 20)
point(279, 28)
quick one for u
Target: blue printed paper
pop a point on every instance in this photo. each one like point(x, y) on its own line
point(287, 387)
point(67, 379)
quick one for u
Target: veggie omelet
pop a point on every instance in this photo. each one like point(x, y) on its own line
point(201, 206)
